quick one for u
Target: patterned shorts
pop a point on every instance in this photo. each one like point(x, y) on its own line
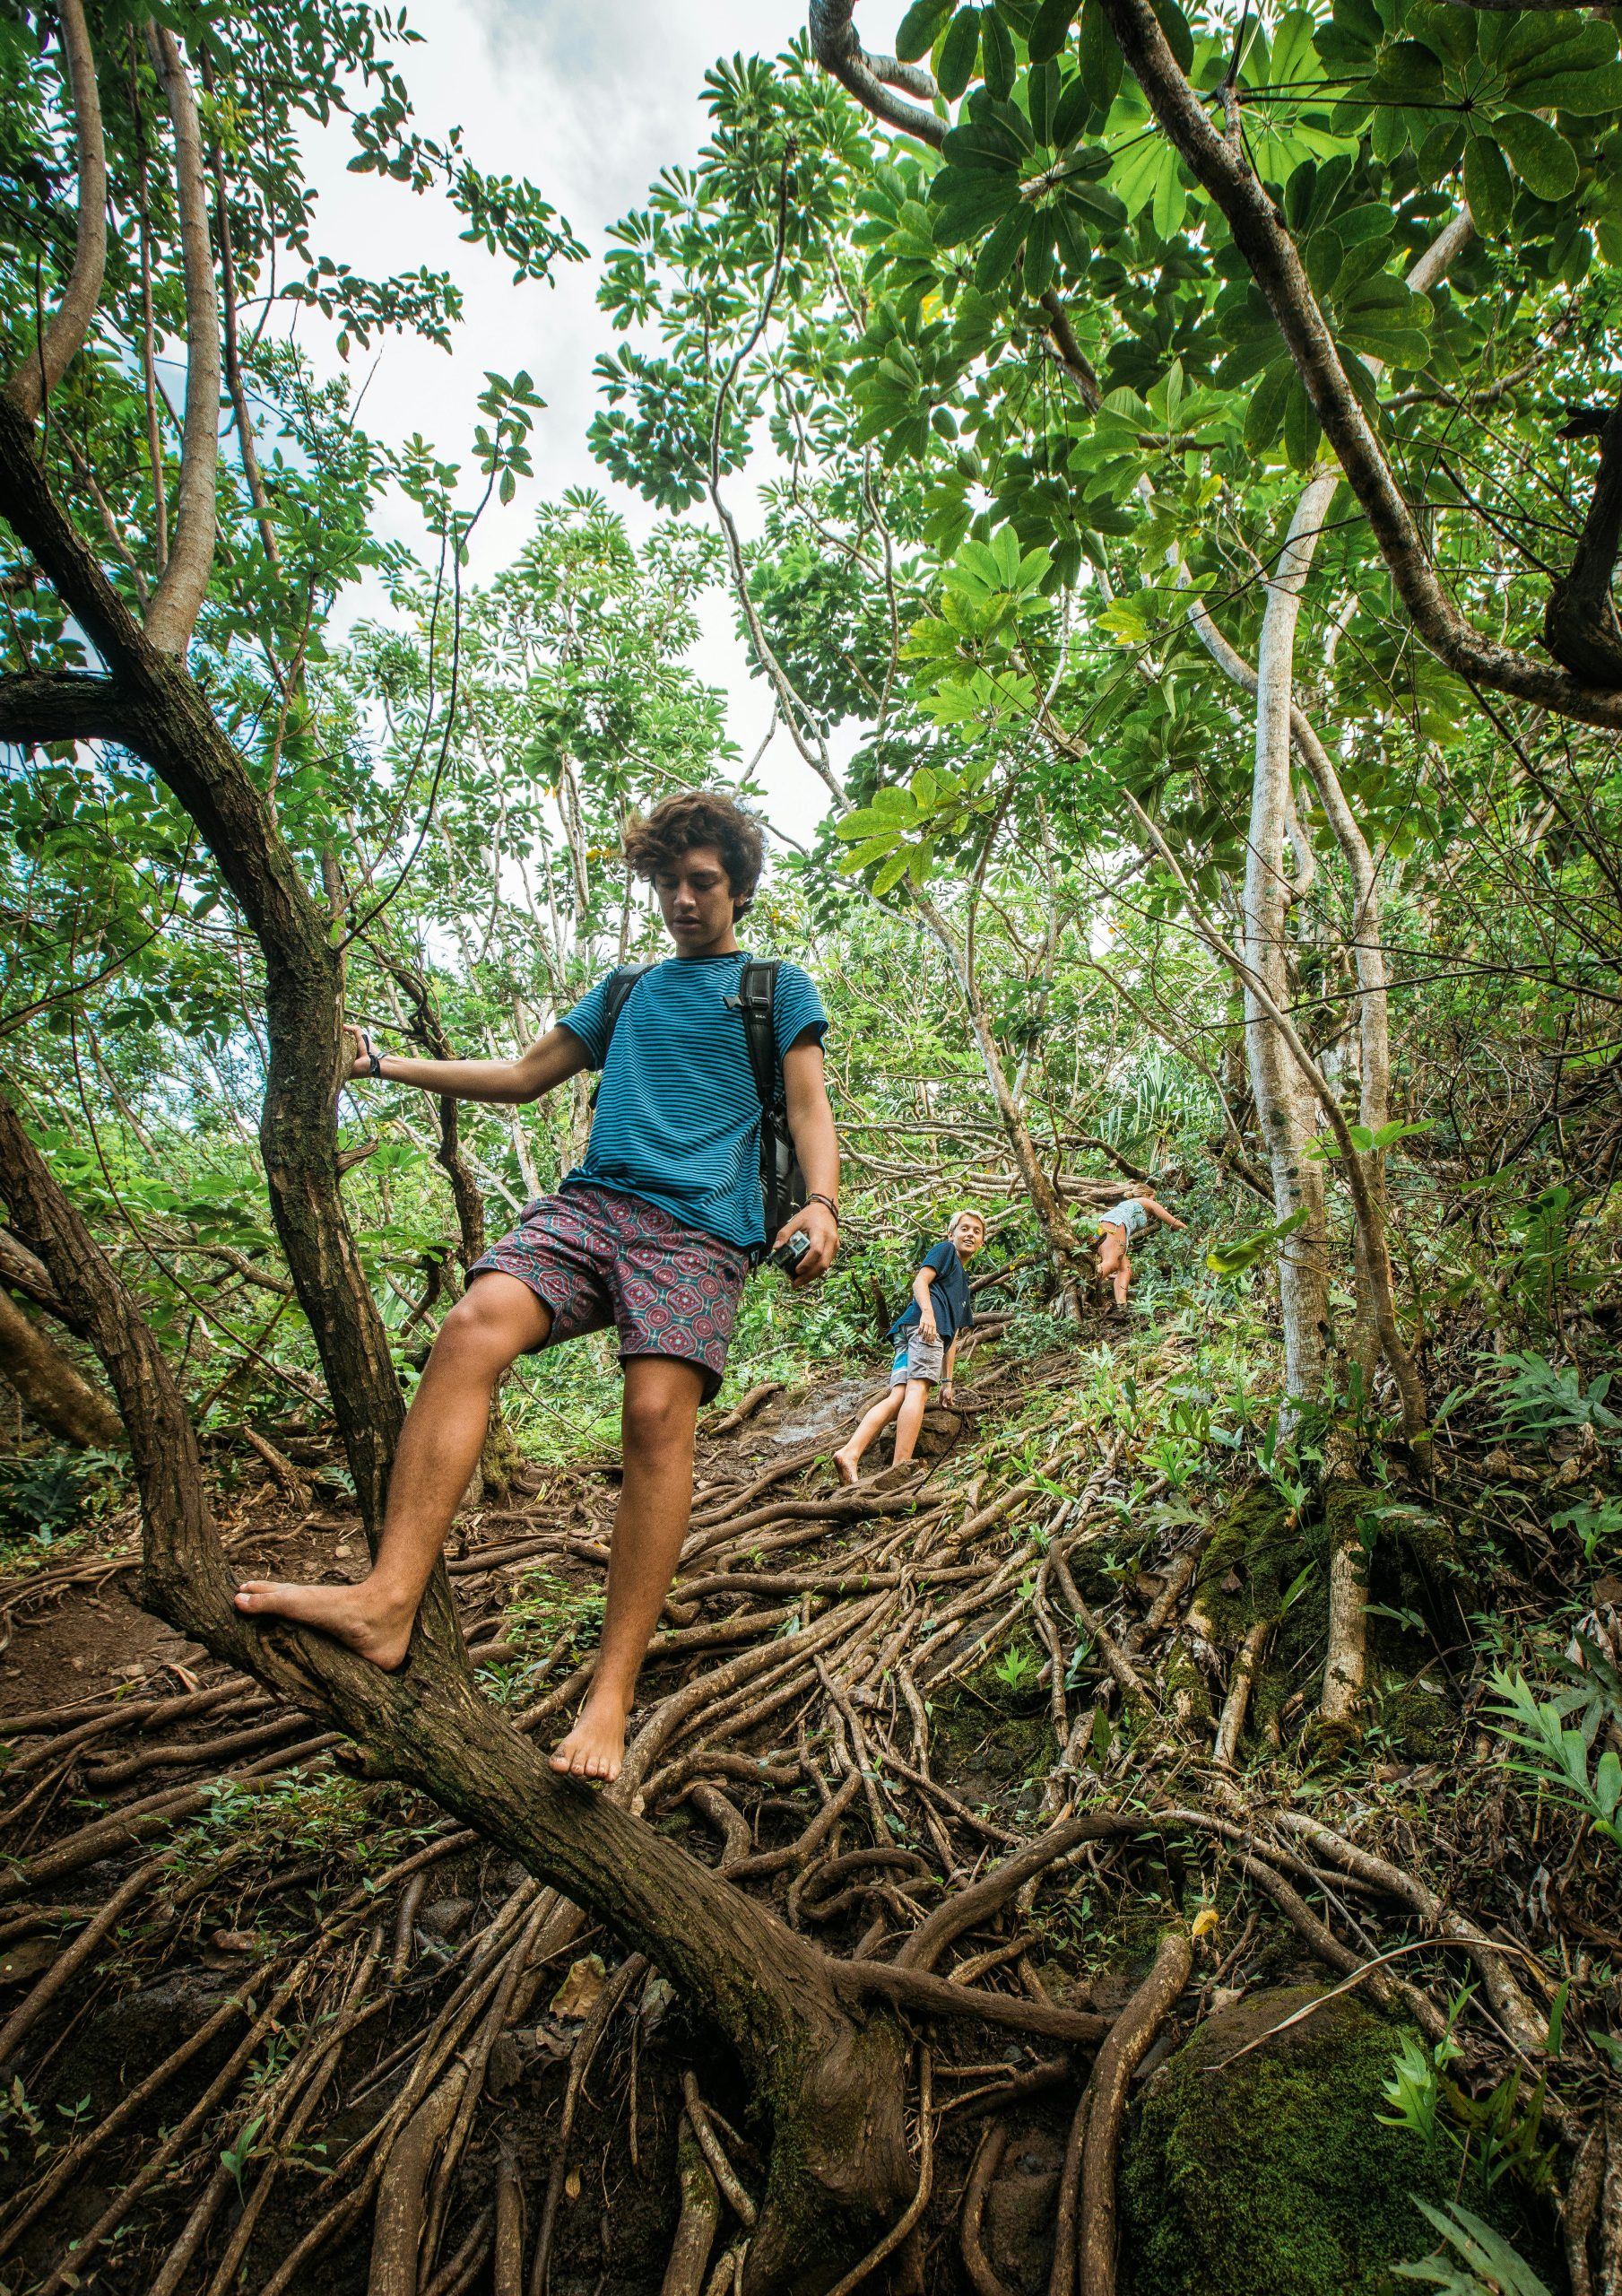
point(597, 1257)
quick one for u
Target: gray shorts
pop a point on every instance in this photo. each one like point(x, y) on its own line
point(918, 1358)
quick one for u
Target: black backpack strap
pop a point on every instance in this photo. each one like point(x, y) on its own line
point(756, 999)
point(621, 983)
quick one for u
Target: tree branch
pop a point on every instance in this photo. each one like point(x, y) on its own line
point(39, 373)
point(1263, 238)
point(179, 594)
point(836, 48)
point(63, 706)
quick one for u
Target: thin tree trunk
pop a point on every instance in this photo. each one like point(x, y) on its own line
point(64, 335)
point(1051, 1215)
point(1284, 1105)
point(184, 585)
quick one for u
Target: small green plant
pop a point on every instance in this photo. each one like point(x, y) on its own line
point(40, 1497)
point(236, 2157)
point(20, 2122)
point(1414, 2091)
point(1017, 1669)
point(1489, 2265)
point(1597, 1526)
point(1537, 1399)
point(1558, 1758)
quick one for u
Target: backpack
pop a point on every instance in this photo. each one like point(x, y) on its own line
point(782, 1182)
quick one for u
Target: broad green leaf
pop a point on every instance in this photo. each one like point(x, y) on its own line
point(890, 875)
point(1179, 38)
point(1538, 154)
point(1102, 65)
point(1051, 30)
point(920, 27)
point(958, 51)
point(1487, 185)
point(997, 59)
point(1584, 94)
point(982, 144)
point(967, 205)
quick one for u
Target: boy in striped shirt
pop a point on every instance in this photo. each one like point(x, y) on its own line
point(653, 1233)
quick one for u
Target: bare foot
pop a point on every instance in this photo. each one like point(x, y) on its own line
point(849, 1468)
point(378, 1629)
point(594, 1749)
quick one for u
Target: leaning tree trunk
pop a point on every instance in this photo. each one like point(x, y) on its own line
point(1285, 1109)
point(833, 2078)
point(148, 703)
point(54, 1393)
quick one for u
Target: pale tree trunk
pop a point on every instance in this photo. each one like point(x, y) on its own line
point(64, 334)
point(1051, 1215)
point(1285, 1110)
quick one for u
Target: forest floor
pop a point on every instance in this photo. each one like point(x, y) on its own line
point(269, 2025)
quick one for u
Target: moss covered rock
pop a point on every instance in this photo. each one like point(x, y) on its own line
point(1272, 2176)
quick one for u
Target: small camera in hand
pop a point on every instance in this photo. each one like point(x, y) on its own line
point(788, 1256)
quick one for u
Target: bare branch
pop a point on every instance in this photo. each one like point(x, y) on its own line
point(63, 706)
point(839, 51)
point(39, 373)
point(180, 593)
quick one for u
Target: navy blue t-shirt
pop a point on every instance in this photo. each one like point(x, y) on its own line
point(954, 1311)
point(678, 1117)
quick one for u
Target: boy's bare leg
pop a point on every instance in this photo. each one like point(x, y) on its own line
point(913, 1404)
point(848, 1461)
point(496, 1319)
point(1115, 1266)
point(660, 1413)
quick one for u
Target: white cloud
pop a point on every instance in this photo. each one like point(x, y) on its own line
point(589, 103)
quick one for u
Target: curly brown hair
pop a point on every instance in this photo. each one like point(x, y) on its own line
point(693, 817)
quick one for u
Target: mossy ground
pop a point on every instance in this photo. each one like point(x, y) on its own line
point(1273, 2175)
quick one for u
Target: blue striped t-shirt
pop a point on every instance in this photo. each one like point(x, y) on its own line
point(678, 1119)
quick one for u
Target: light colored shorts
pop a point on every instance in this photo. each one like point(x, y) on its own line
point(918, 1358)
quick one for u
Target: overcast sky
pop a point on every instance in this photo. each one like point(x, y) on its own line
point(589, 102)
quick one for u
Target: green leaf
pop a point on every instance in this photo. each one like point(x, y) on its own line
point(1051, 30)
point(920, 27)
point(1584, 94)
point(981, 146)
point(997, 256)
point(1264, 410)
point(1179, 38)
point(891, 875)
point(968, 205)
point(958, 51)
point(997, 59)
point(1486, 186)
point(1538, 154)
point(1043, 100)
point(1072, 113)
point(1102, 64)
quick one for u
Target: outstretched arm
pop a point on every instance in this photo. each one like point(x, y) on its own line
point(557, 1055)
point(1159, 1211)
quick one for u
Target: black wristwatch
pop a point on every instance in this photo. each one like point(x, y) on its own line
point(374, 1059)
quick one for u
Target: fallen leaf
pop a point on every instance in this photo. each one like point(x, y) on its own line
point(1207, 1919)
point(576, 1996)
point(234, 1941)
point(571, 2185)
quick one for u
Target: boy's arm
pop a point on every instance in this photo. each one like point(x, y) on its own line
point(922, 1292)
point(557, 1055)
point(810, 1124)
